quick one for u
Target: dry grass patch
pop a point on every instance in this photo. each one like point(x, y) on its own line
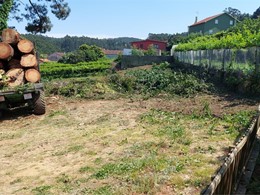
point(122, 146)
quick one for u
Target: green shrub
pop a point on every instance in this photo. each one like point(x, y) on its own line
point(158, 79)
point(85, 53)
point(52, 70)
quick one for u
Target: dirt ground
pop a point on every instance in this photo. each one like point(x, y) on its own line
point(36, 150)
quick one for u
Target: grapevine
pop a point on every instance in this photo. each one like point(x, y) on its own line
point(52, 70)
point(246, 34)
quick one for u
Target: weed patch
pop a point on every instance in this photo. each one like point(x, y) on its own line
point(159, 79)
point(41, 190)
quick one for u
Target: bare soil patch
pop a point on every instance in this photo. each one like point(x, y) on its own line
point(66, 150)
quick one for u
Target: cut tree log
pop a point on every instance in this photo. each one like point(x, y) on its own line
point(6, 51)
point(25, 46)
point(28, 60)
point(10, 36)
point(2, 64)
point(15, 77)
point(32, 75)
point(14, 63)
point(2, 71)
point(18, 61)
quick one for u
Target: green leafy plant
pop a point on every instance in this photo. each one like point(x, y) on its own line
point(244, 34)
point(52, 70)
point(41, 190)
point(85, 53)
point(158, 79)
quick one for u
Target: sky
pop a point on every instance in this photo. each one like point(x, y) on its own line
point(136, 18)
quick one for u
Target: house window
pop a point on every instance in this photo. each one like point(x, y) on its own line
point(156, 46)
point(216, 21)
point(231, 22)
point(141, 46)
point(210, 31)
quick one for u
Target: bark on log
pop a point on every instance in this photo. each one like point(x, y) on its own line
point(10, 36)
point(6, 51)
point(14, 63)
point(2, 64)
point(15, 77)
point(25, 46)
point(28, 60)
point(32, 75)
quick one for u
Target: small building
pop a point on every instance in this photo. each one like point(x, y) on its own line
point(127, 52)
point(111, 53)
point(145, 44)
point(55, 56)
point(213, 24)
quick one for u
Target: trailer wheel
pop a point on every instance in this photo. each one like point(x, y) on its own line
point(39, 103)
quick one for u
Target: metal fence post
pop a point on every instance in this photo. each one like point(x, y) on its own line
point(257, 60)
point(223, 60)
point(199, 57)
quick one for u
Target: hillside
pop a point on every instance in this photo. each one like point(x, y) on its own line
point(48, 45)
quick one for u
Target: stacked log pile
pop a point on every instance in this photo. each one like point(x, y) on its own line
point(18, 61)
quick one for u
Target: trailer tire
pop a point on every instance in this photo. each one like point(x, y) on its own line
point(39, 103)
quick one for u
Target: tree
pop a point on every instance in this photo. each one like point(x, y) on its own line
point(159, 37)
point(91, 53)
point(256, 14)
point(178, 38)
point(6, 6)
point(137, 52)
point(236, 13)
point(85, 53)
point(36, 13)
point(151, 51)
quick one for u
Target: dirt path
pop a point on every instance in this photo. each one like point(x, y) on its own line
point(38, 151)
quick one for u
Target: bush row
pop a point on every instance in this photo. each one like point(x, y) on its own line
point(52, 70)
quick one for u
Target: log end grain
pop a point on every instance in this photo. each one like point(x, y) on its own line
point(6, 51)
point(15, 77)
point(32, 75)
point(25, 46)
point(28, 60)
point(10, 36)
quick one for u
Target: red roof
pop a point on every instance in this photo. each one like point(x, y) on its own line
point(111, 52)
point(206, 20)
point(155, 41)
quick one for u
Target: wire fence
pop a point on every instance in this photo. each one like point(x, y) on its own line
point(227, 178)
point(245, 60)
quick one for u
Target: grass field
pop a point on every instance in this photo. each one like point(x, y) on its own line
point(122, 134)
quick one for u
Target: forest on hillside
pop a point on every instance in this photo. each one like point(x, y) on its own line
point(48, 45)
